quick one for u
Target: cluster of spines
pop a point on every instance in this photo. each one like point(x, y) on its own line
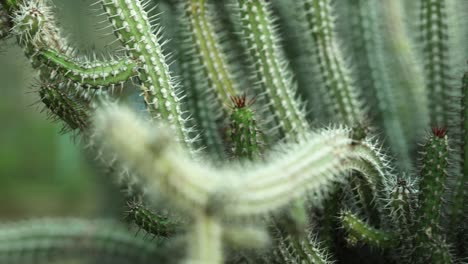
point(50, 240)
point(133, 28)
point(245, 137)
point(158, 225)
point(338, 87)
point(285, 114)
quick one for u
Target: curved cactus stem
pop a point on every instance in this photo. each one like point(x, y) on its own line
point(272, 73)
point(306, 167)
point(49, 240)
point(338, 88)
point(132, 27)
point(434, 33)
point(362, 232)
point(91, 74)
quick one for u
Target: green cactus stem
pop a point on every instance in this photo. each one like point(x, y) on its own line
point(359, 231)
point(156, 224)
point(245, 138)
point(434, 33)
point(66, 107)
point(338, 88)
point(50, 240)
point(133, 28)
point(95, 74)
point(286, 117)
point(210, 51)
point(434, 169)
point(460, 195)
point(290, 250)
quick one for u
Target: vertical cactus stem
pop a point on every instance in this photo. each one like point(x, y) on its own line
point(358, 230)
point(380, 83)
point(433, 179)
point(336, 77)
point(209, 50)
point(271, 71)
point(205, 242)
point(402, 206)
point(132, 27)
point(243, 131)
point(460, 196)
point(434, 33)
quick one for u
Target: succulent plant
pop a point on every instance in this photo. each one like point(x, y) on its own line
point(232, 142)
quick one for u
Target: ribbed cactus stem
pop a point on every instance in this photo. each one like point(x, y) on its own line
point(434, 33)
point(402, 205)
point(156, 224)
point(460, 196)
point(434, 169)
point(359, 231)
point(133, 28)
point(410, 94)
point(64, 106)
point(387, 95)
point(290, 250)
point(245, 138)
point(86, 73)
point(210, 51)
point(272, 73)
point(319, 22)
point(51, 240)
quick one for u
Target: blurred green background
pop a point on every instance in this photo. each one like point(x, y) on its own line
point(42, 172)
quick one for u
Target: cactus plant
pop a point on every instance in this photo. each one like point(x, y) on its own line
point(248, 172)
